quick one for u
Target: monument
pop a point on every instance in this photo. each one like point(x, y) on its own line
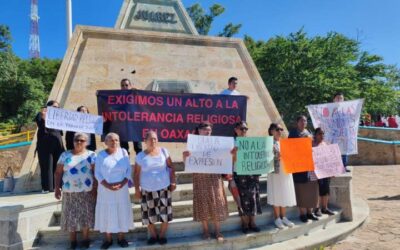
point(157, 40)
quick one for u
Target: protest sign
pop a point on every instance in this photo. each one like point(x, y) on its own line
point(209, 154)
point(327, 161)
point(61, 119)
point(254, 155)
point(296, 155)
point(340, 122)
point(131, 113)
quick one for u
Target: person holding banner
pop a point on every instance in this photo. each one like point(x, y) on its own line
point(249, 190)
point(49, 148)
point(324, 183)
point(113, 209)
point(339, 97)
point(137, 145)
point(231, 90)
point(209, 199)
point(306, 189)
point(280, 185)
point(69, 136)
point(75, 171)
point(154, 182)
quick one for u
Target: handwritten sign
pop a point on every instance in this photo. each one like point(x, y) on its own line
point(209, 154)
point(62, 119)
point(131, 113)
point(327, 161)
point(340, 122)
point(254, 155)
point(296, 155)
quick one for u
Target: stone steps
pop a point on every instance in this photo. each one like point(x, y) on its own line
point(181, 209)
point(186, 234)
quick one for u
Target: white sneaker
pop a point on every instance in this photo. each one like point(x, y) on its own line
point(279, 224)
point(287, 222)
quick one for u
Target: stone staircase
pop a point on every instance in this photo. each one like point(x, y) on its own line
point(183, 233)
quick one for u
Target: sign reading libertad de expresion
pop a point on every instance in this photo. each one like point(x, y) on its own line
point(131, 113)
point(155, 16)
point(209, 154)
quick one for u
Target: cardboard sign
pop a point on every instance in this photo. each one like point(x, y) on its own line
point(327, 161)
point(254, 156)
point(209, 154)
point(61, 119)
point(296, 155)
point(340, 122)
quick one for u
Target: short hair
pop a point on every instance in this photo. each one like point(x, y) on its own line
point(81, 135)
point(110, 135)
point(337, 94)
point(81, 107)
point(300, 117)
point(318, 130)
point(126, 80)
point(231, 79)
point(272, 127)
point(51, 102)
point(201, 126)
point(148, 133)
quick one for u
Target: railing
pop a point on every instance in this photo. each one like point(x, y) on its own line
point(7, 129)
point(17, 138)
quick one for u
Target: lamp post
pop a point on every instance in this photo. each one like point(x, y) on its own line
point(69, 19)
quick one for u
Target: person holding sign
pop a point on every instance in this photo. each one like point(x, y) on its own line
point(75, 171)
point(209, 199)
point(249, 190)
point(69, 136)
point(280, 185)
point(306, 189)
point(113, 209)
point(49, 148)
point(154, 182)
point(339, 97)
point(324, 183)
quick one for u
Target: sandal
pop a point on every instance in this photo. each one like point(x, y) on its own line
point(220, 238)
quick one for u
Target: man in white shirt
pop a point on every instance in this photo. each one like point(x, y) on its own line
point(231, 90)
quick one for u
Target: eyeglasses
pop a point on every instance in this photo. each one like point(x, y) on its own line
point(244, 129)
point(79, 140)
point(279, 129)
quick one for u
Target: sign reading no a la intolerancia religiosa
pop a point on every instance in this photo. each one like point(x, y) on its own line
point(209, 154)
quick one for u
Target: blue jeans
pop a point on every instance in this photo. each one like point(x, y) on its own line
point(345, 159)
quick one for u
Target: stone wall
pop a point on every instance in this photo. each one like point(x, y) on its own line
point(375, 152)
point(387, 134)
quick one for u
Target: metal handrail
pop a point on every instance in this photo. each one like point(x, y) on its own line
point(16, 138)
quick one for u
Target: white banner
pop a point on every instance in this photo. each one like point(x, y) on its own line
point(209, 154)
point(327, 161)
point(340, 121)
point(67, 120)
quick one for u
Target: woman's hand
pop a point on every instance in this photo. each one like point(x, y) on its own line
point(185, 154)
point(138, 194)
point(234, 150)
point(172, 187)
point(57, 193)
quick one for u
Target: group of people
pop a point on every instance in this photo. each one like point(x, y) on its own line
point(381, 121)
point(94, 187)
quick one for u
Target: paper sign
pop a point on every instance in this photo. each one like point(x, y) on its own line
point(327, 161)
point(254, 155)
point(296, 155)
point(67, 120)
point(209, 154)
point(340, 122)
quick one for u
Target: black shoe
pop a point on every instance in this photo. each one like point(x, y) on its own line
point(123, 243)
point(317, 212)
point(152, 241)
point(255, 229)
point(106, 244)
point(348, 170)
point(304, 218)
point(312, 217)
point(162, 241)
point(85, 244)
point(327, 211)
point(245, 230)
point(73, 245)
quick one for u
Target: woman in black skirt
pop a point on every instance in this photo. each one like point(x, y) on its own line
point(324, 184)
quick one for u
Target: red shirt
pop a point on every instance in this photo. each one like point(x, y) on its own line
point(392, 122)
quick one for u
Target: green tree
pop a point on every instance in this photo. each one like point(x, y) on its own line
point(203, 21)
point(299, 70)
point(5, 38)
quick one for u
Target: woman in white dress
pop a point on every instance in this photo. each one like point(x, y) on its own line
point(280, 187)
point(113, 208)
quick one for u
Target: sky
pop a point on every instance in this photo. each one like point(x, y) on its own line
point(375, 23)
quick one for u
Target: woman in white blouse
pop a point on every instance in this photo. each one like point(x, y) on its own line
point(113, 209)
point(154, 182)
